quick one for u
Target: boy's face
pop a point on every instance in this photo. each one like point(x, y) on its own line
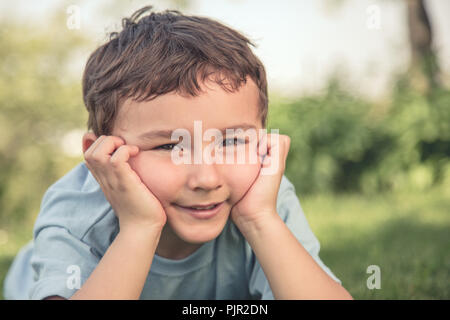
point(189, 184)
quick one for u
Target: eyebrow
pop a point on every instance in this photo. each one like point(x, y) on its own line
point(168, 133)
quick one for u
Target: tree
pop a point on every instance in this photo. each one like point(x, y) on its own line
point(424, 65)
point(39, 102)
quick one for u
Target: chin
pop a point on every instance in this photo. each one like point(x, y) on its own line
point(201, 233)
point(197, 233)
point(199, 239)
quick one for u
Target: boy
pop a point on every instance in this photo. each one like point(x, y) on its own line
point(131, 222)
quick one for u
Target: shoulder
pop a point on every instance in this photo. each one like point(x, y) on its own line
point(288, 203)
point(75, 202)
point(286, 198)
point(285, 185)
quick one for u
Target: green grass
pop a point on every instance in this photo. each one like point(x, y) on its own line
point(406, 234)
point(11, 240)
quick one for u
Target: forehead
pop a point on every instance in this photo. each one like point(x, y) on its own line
point(215, 107)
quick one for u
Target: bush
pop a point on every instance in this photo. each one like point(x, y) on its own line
point(341, 143)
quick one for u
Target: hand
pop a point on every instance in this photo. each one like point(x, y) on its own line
point(260, 201)
point(134, 204)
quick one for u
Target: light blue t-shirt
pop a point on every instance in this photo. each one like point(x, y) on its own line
point(76, 225)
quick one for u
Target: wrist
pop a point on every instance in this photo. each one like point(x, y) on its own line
point(131, 222)
point(140, 231)
point(256, 225)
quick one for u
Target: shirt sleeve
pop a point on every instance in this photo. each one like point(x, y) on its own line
point(290, 210)
point(61, 263)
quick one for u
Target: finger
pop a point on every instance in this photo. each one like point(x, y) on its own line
point(96, 161)
point(94, 145)
point(271, 162)
point(273, 150)
point(123, 154)
point(96, 176)
point(119, 162)
point(274, 147)
point(287, 145)
point(263, 148)
point(106, 148)
point(262, 144)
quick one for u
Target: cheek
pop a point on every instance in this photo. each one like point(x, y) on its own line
point(159, 175)
point(240, 178)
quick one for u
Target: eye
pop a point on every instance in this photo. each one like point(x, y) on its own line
point(235, 139)
point(164, 147)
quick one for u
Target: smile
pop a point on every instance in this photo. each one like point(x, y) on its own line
point(206, 213)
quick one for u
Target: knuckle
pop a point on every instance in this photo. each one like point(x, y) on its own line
point(95, 158)
point(110, 185)
point(122, 148)
point(115, 159)
point(90, 160)
point(114, 162)
point(122, 188)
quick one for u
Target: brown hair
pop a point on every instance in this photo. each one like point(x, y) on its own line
point(164, 52)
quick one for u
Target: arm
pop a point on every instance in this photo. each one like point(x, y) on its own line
point(122, 271)
point(119, 274)
point(291, 271)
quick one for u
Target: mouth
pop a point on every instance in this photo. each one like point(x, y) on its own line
point(202, 211)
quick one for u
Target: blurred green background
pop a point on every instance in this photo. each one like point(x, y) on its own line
point(373, 176)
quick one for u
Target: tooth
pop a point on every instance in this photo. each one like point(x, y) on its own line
point(207, 208)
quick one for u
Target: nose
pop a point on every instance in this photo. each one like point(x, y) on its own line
point(204, 176)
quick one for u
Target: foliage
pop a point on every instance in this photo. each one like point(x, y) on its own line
point(39, 101)
point(340, 142)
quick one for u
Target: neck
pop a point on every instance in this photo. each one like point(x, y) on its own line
point(172, 247)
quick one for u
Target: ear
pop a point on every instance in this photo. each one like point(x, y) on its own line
point(88, 139)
